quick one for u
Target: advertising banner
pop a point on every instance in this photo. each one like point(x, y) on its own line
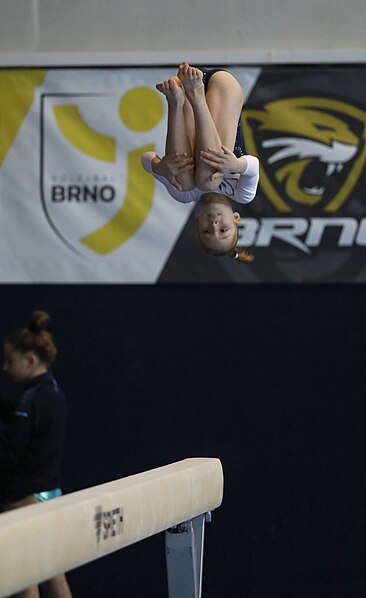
point(76, 206)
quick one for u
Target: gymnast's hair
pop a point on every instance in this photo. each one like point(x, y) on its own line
point(240, 254)
point(35, 338)
point(234, 252)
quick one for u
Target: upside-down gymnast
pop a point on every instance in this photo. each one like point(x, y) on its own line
point(32, 431)
point(205, 158)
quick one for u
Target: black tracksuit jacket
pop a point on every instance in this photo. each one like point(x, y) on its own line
point(32, 439)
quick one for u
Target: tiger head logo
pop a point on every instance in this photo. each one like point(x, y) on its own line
point(312, 151)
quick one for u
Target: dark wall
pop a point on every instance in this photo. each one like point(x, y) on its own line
point(270, 379)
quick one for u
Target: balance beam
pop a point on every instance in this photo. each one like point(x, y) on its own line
point(40, 541)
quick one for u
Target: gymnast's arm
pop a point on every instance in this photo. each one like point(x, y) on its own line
point(226, 163)
point(15, 429)
point(7, 453)
point(165, 169)
point(248, 180)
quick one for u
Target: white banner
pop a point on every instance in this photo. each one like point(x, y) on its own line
point(76, 204)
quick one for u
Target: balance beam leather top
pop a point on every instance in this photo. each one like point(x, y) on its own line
point(42, 540)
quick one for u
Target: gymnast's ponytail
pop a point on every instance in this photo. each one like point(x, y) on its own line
point(241, 255)
point(35, 338)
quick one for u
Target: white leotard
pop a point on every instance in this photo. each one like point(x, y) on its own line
point(240, 188)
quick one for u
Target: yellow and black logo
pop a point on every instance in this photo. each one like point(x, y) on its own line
point(94, 191)
point(312, 151)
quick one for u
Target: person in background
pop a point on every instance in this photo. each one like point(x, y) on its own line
point(32, 430)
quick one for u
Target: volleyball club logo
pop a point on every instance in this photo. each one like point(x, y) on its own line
point(95, 193)
point(312, 151)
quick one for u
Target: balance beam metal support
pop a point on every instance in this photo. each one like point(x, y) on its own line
point(184, 557)
point(40, 541)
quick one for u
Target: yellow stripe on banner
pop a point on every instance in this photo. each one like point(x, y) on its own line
point(82, 136)
point(134, 209)
point(17, 93)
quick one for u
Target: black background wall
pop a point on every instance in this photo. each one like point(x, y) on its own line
point(270, 379)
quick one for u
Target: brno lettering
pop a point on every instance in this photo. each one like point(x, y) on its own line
point(82, 193)
point(261, 233)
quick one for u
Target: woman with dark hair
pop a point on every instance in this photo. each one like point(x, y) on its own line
point(32, 433)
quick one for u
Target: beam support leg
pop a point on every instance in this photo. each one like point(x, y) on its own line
point(184, 557)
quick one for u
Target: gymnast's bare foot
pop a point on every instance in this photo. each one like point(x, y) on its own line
point(173, 90)
point(192, 80)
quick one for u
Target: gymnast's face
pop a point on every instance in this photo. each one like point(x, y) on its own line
point(19, 366)
point(217, 223)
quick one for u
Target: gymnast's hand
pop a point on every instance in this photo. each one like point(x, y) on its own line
point(223, 161)
point(171, 166)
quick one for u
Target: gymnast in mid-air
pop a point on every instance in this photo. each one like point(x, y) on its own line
point(205, 158)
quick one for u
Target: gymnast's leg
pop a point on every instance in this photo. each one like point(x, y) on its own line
point(216, 115)
point(57, 587)
point(225, 99)
point(180, 130)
